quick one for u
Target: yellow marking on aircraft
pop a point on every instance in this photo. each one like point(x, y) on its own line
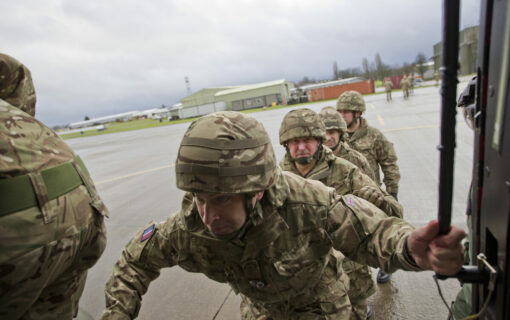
point(381, 121)
point(136, 173)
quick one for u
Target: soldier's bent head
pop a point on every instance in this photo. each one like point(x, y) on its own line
point(226, 160)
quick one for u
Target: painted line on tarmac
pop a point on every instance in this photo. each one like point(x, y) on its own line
point(171, 165)
point(381, 121)
point(411, 128)
point(371, 106)
point(135, 174)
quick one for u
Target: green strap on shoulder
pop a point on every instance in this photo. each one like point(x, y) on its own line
point(18, 193)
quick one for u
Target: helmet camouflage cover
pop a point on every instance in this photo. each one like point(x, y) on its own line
point(352, 101)
point(332, 119)
point(225, 152)
point(16, 84)
point(301, 123)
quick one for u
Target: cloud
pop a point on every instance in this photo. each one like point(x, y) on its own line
point(101, 57)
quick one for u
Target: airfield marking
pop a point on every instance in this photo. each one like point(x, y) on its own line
point(136, 173)
point(371, 105)
point(411, 128)
point(381, 121)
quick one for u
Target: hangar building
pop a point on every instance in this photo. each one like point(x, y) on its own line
point(233, 98)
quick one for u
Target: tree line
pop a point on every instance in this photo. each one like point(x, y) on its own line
point(375, 70)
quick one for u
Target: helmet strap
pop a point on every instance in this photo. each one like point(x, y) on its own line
point(307, 160)
point(355, 119)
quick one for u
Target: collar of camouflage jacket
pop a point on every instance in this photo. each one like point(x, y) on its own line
point(361, 131)
point(321, 169)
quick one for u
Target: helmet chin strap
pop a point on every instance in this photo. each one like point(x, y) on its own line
point(307, 160)
point(336, 145)
point(252, 216)
point(354, 120)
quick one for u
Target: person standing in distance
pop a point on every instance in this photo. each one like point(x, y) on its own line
point(51, 216)
point(372, 144)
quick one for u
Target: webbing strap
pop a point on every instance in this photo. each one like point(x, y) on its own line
point(18, 193)
point(222, 171)
point(331, 124)
point(225, 144)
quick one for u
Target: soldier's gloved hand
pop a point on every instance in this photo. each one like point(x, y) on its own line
point(371, 194)
point(394, 195)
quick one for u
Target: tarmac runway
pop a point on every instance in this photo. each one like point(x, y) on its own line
point(134, 173)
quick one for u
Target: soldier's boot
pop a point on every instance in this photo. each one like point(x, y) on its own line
point(383, 277)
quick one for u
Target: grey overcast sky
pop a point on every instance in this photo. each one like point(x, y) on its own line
point(99, 57)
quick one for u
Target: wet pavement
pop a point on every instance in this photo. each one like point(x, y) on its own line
point(135, 176)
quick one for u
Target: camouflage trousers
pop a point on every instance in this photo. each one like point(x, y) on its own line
point(45, 255)
point(361, 286)
point(335, 305)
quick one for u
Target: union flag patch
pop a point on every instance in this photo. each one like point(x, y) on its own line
point(350, 202)
point(147, 233)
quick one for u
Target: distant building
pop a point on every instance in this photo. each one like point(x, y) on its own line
point(233, 98)
point(468, 47)
point(468, 50)
point(333, 89)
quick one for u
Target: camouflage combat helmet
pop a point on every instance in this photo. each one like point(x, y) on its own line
point(300, 123)
point(225, 152)
point(332, 119)
point(352, 101)
point(16, 84)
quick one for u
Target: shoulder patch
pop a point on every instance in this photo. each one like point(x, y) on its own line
point(349, 202)
point(147, 233)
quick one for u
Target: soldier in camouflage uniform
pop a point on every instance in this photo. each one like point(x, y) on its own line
point(404, 85)
point(51, 216)
point(336, 131)
point(372, 144)
point(388, 85)
point(276, 238)
point(410, 82)
point(301, 133)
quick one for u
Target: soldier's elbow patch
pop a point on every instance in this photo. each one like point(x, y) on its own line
point(148, 232)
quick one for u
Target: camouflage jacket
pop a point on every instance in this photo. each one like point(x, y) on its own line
point(283, 263)
point(404, 84)
point(388, 85)
point(344, 177)
point(355, 157)
point(379, 153)
point(26, 145)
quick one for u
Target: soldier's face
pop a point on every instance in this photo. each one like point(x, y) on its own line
point(303, 147)
point(347, 115)
point(332, 138)
point(223, 213)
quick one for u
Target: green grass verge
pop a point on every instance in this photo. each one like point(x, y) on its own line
point(150, 123)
